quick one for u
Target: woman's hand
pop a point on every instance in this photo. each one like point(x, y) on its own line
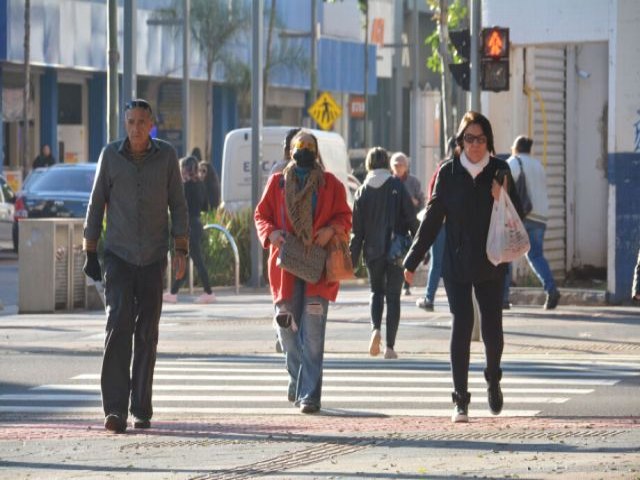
point(323, 235)
point(277, 238)
point(495, 188)
point(408, 276)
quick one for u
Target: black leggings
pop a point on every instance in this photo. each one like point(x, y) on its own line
point(489, 297)
point(195, 252)
point(385, 281)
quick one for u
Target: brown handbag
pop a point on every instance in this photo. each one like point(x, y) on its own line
point(338, 265)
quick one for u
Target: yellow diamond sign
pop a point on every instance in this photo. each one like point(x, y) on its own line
point(325, 111)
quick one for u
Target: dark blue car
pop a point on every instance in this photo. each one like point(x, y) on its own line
point(59, 191)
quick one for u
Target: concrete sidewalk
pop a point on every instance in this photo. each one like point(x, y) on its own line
point(331, 444)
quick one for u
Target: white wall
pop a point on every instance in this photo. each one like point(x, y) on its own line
point(549, 21)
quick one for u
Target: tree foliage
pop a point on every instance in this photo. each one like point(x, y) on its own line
point(457, 13)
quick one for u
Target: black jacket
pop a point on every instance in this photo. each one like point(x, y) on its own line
point(466, 204)
point(376, 212)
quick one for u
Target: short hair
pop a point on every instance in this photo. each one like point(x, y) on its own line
point(138, 103)
point(399, 157)
point(470, 118)
point(190, 163)
point(196, 152)
point(522, 144)
point(377, 157)
point(292, 132)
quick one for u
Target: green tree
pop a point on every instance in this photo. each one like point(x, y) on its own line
point(442, 53)
point(214, 25)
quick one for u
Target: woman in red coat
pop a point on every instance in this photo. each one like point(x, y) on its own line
point(311, 204)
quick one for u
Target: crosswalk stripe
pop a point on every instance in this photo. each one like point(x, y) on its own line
point(325, 388)
point(270, 411)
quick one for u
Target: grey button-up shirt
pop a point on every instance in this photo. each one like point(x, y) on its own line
point(137, 197)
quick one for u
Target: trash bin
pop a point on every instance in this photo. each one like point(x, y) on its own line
point(50, 264)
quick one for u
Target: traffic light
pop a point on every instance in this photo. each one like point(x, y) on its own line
point(461, 41)
point(494, 74)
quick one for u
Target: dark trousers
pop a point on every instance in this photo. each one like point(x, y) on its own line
point(385, 280)
point(195, 252)
point(133, 302)
point(489, 297)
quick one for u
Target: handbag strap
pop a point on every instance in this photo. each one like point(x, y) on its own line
point(524, 177)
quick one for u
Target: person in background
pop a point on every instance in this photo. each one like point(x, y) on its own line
point(437, 249)
point(381, 207)
point(196, 203)
point(138, 178)
point(400, 168)
point(535, 222)
point(635, 291)
point(210, 180)
point(464, 192)
point(286, 151)
point(45, 159)
point(311, 204)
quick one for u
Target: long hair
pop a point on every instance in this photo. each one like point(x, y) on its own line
point(190, 164)
point(474, 117)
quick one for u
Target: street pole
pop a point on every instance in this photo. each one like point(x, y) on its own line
point(474, 77)
point(366, 75)
point(26, 92)
point(129, 60)
point(186, 47)
point(256, 134)
point(112, 72)
point(314, 55)
point(397, 77)
point(417, 165)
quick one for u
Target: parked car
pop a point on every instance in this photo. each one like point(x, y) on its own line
point(59, 191)
point(7, 201)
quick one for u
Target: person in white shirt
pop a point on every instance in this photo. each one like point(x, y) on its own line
point(535, 221)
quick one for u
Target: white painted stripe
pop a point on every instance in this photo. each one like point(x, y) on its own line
point(372, 379)
point(44, 397)
point(325, 388)
point(252, 411)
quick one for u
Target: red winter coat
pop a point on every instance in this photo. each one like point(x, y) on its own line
point(331, 209)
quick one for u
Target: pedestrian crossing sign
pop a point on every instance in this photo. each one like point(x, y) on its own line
point(325, 111)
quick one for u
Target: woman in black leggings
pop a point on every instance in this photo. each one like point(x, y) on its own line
point(464, 192)
point(195, 195)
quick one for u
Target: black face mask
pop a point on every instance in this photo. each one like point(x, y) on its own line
point(304, 158)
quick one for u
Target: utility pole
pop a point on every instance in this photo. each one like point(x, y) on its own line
point(366, 75)
point(314, 55)
point(186, 48)
point(129, 59)
point(112, 72)
point(474, 74)
point(26, 93)
point(397, 103)
point(256, 134)
point(415, 104)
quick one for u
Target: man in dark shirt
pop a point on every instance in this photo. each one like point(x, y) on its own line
point(138, 179)
point(45, 159)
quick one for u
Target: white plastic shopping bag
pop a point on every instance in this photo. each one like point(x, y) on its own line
point(507, 239)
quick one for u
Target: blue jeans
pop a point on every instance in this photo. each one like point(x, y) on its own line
point(536, 259)
point(435, 266)
point(304, 348)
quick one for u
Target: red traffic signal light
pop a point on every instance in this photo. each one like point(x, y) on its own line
point(495, 43)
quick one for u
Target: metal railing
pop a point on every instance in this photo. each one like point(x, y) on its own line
point(236, 254)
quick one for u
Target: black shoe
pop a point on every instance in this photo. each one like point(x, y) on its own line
point(494, 392)
point(291, 392)
point(552, 300)
point(407, 291)
point(461, 410)
point(140, 422)
point(424, 304)
point(115, 423)
point(309, 408)
point(506, 306)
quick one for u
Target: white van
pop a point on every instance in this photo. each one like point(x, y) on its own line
point(235, 180)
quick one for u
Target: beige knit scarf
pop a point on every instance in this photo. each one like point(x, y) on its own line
point(298, 200)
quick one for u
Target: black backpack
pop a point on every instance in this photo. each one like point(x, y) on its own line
point(521, 188)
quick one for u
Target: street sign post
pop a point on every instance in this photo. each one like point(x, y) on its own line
point(325, 111)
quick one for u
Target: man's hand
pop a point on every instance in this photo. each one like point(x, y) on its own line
point(323, 235)
point(91, 267)
point(277, 238)
point(179, 264)
point(408, 276)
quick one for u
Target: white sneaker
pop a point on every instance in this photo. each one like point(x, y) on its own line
point(390, 354)
point(205, 298)
point(169, 297)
